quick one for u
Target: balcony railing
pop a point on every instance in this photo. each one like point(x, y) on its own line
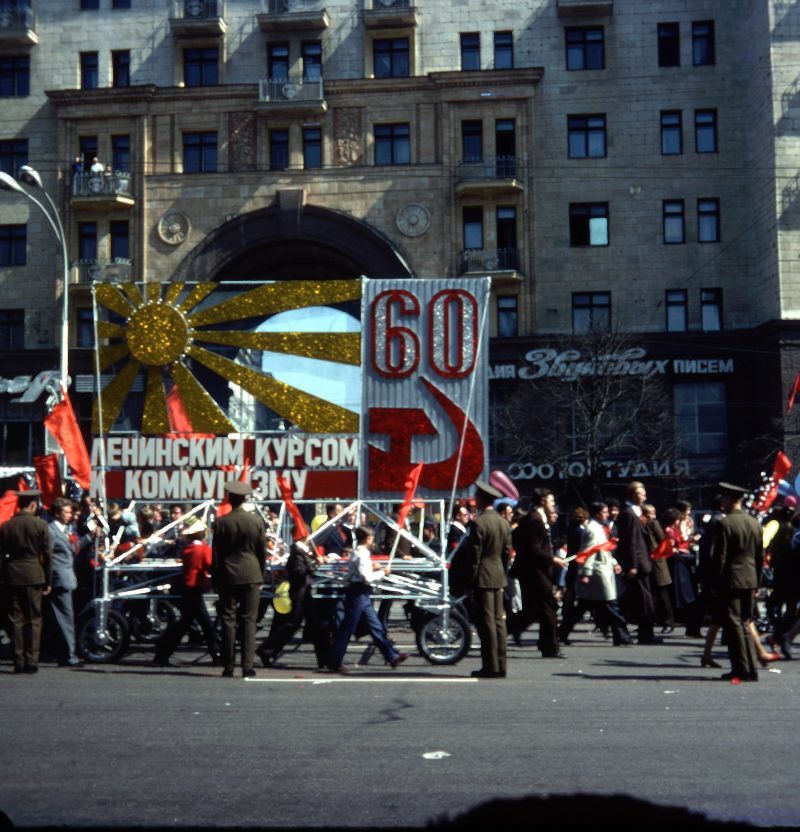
point(293, 15)
point(117, 183)
point(197, 9)
point(490, 167)
point(291, 6)
point(378, 5)
point(198, 18)
point(17, 25)
point(290, 90)
point(481, 260)
point(102, 271)
point(392, 13)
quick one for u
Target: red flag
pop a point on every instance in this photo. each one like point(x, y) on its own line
point(769, 491)
point(583, 556)
point(179, 422)
point(665, 549)
point(64, 426)
point(412, 479)
point(793, 394)
point(225, 506)
point(48, 478)
point(9, 502)
point(300, 531)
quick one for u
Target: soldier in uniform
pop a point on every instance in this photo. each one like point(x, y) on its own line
point(25, 576)
point(737, 561)
point(489, 548)
point(239, 552)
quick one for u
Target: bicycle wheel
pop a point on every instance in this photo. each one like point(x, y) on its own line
point(441, 644)
point(101, 648)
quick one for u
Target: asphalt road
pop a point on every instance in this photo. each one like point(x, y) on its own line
point(130, 744)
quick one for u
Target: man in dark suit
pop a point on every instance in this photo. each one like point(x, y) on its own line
point(239, 553)
point(25, 576)
point(737, 561)
point(64, 579)
point(490, 549)
point(633, 555)
point(533, 568)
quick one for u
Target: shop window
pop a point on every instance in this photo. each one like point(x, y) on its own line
point(585, 48)
point(671, 133)
point(588, 224)
point(711, 309)
point(676, 304)
point(669, 44)
point(586, 136)
point(470, 50)
point(591, 311)
point(12, 329)
point(700, 418)
point(673, 221)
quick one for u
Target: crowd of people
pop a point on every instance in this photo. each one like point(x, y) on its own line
point(633, 571)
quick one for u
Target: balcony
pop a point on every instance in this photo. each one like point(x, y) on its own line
point(17, 27)
point(291, 96)
point(389, 14)
point(490, 176)
point(585, 8)
point(198, 18)
point(501, 264)
point(101, 271)
point(101, 191)
point(293, 16)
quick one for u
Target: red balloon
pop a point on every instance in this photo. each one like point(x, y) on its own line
point(500, 480)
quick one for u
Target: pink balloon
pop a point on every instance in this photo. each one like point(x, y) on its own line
point(500, 480)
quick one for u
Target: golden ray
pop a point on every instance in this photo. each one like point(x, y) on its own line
point(152, 291)
point(204, 413)
point(308, 412)
point(110, 355)
point(154, 413)
point(110, 296)
point(105, 329)
point(278, 297)
point(114, 395)
point(133, 294)
point(196, 295)
point(172, 293)
point(342, 347)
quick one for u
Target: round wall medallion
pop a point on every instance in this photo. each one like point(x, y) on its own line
point(173, 228)
point(413, 219)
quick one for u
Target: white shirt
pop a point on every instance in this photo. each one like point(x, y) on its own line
point(359, 568)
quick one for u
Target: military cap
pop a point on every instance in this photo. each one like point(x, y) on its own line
point(732, 490)
point(31, 493)
point(488, 491)
point(242, 489)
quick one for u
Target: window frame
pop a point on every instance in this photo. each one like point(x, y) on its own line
point(471, 225)
point(274, 58)
point(583, 44)
point(476, 128)
point(274, 164)
point(120, 68)
point(668, 212)
point(586, 130)
point(711, 299)
point(711, 125)
point(120, 4)
point(394, 136)
point(666, 114)
point(311, 56)
point(594, 303)
point(507, 316)
point(669, 46)
point(15, 74)
point(89, 73)
point(505, 49)
point(471, 50)
point(309, 144)
point(116, 238)
point(705, 213)
point(13, 155)
point(589, 211)
point(203, 59)
point(13, 245)
point(87, 236)
point(676, 299)
point(117, 164)
point(200, 142)
point(396, 49)
point(689, 406)
point(12, 329)
point(699, 40)
point(84, 321)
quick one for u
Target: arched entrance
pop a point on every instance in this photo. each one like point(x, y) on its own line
point(290, 240)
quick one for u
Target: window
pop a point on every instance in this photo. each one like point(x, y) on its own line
point(700, 418)
point(471, 141)
point(312, 60)
point(676, 305)
point(13, 244)
point(505, 146)
point(673, 221)
point(13, 155)
point(120, 4)
point(669, 44)
point(671, 133)
point(87, 241)
point(201, 67)
point(705, 131)
point(312, 147)
point(470, 50)
point(586, 136)
point(472, 219)
point(588, 224)
point(708, 221)
point(585, 49)
point(88, 150)
point(199, 152)
point(15, 77)
point(503, 50)
point(278, 149)
point(507, 324)
point(120, 245)
point(121, 68)
point(390, 58)
point(507, 237)
point(89, 71)
point(392, 144)
point(703, 43)
point(12, 329)
point(591, 311)
point(89, 5)
point(121, 153)
point(85, 328)
point(711, 309)
point(278, 61)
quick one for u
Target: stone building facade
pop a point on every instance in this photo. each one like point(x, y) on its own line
point(616, 161)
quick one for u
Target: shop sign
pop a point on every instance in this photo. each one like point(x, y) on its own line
point(611, 469)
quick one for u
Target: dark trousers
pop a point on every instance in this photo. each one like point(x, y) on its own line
point(60, 600)
point(239, 607)
point(639, 601)
point(193, 608)
point(23, 608)
point(358, 604)
point(738, 610)
point(663, 605)
point(490, 622)
point(283, 627)
point(538, 604)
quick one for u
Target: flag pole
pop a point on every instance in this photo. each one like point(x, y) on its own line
point(101, 428)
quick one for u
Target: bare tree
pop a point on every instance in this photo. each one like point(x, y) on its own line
point(594, 399)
